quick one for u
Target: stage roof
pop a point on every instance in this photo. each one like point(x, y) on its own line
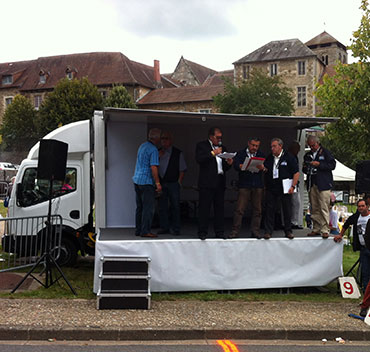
point(179, 117)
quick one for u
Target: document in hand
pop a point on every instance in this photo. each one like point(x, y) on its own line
point(287, 183)
point(225, 155)
point(250, 164)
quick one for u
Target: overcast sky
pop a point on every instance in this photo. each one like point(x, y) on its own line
point(213, 33)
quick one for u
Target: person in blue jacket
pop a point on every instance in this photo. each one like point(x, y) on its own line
point(318, 165)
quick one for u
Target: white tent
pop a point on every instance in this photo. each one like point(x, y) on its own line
point(343, 173)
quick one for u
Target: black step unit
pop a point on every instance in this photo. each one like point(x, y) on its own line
point(124, 283)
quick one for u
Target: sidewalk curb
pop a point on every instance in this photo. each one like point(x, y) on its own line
point(84, 334)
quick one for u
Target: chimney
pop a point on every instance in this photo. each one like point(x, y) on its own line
point(157, 75)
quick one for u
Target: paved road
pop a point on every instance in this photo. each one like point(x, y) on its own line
point(184, 346)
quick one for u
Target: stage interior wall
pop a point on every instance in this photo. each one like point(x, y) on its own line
point(124, 138)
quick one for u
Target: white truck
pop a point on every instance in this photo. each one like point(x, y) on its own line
point(74, 204)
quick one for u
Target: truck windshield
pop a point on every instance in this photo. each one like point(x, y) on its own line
point(34, 191)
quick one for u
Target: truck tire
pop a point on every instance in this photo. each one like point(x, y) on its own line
point(68, 253)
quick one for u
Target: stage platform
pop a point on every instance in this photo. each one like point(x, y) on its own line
point(185, 263)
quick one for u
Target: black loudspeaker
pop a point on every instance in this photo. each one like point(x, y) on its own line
point(52, 160)
point(362, 184)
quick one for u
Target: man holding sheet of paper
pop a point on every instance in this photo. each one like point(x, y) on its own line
point(281, 181)
point(249, 164)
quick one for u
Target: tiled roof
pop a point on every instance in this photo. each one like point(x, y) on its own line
point(182, 94)
point(278, 50)
point(101, 68)
point(218, 78)
point(323, 38)
point(328, 70)
point(17, 70)
point(201, 72)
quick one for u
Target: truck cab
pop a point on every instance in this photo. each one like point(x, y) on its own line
point(71, 198)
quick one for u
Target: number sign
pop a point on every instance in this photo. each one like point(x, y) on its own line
point(349, 288)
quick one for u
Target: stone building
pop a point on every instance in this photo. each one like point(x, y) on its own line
point(35, 78)
point(300, 65)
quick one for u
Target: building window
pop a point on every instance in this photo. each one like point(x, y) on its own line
point(37, 101)
point(8, 101)
point(205, 111)
point(325, 59)
point(273, 70)
point(7, 79)
point(301, 68)
point(246, 71)
point(104, 94)
point(301, 96)
point(70, 75)
point(42, 79)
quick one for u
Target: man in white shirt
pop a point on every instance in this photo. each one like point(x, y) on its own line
point(359, 221)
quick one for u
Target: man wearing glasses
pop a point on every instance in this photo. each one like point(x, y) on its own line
point(318, 165)
point(211, 182)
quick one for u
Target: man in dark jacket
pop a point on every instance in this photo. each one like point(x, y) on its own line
point(211, 182)
point(171, 170)
point(281, 168)
point(359, 222)
point(318, 164)
point(250, 189)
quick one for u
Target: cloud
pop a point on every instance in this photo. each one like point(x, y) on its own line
point(176, 19)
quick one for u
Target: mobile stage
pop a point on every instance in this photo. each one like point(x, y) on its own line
point(186, 263)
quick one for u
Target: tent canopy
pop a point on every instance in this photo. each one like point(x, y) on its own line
point(343, 173)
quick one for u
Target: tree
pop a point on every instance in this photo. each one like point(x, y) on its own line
point(71, 100)
point(347, 95)
point(259, 95)
point(18, 130)
point(120, 98)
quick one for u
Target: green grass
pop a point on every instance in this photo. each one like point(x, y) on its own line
point(3, 210)
point(81, 279)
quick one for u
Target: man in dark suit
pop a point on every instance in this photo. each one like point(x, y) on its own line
point(279, 165)
point(211, 182)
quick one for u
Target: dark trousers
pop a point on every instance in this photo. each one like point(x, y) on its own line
point(207, 198)
point(365, 267)
point(275, 202)
point(145, 202)
point(169, 206)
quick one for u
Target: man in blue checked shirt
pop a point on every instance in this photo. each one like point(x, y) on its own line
point(146, 181)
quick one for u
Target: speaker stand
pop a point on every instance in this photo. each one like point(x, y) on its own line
point(48, 260)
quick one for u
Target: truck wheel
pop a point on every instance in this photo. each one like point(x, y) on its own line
point(68, 253)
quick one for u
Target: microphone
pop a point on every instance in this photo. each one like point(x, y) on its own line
point(220, 143)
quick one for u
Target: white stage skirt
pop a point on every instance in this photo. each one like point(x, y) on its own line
point(216, 264)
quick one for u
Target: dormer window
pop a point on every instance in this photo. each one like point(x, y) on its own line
point(7, 79)
point(42, 77)
point(71, 72)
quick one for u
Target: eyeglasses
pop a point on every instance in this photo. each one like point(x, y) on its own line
point(218, 137)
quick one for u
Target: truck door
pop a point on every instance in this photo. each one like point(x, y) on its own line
point(32, 196)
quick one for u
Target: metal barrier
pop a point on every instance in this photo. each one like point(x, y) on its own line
point(3, 189)
point(25, 239)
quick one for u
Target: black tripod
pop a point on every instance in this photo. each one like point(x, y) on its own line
point(46, 258)
point(357, 277)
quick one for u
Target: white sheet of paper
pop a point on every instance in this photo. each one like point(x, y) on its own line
point(287, 183)
point(252, 167)
point(226, 155)
point(246, 161)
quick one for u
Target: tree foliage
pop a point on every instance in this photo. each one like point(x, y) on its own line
point(119, 97)
point(18, 130)
point(258, 95)
point(347, 95)
point(71, 100)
